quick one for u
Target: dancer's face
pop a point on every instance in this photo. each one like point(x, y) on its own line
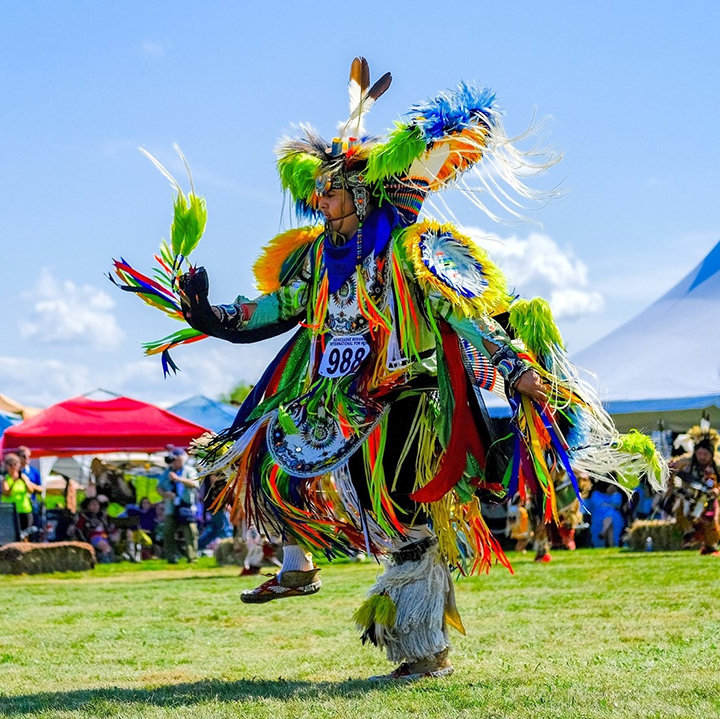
point(339, 211)
point(703, 456)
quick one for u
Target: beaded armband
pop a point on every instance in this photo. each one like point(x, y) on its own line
point(509, 365)
point(233, 316)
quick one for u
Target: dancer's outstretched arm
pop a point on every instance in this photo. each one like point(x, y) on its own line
point(242, 321)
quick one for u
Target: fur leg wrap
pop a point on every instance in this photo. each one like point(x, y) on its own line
point(405, 610)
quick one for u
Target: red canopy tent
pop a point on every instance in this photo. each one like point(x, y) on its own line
point(87, 426)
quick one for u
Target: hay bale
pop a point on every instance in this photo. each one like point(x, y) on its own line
point(230, 552)
point(666, 537)
point(24, 558)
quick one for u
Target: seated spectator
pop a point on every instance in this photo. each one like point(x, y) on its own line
point(259, 550)
point(518, 524)
point(92, 526)
point(17, 489)
point(643, 501)
point(147, 513)
point(607, 521)
point(141, 540)
point(254, 555)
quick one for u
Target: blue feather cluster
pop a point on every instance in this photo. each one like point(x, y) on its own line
point(305, 212)
point(451, 112)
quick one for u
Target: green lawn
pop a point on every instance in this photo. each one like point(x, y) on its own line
point(592, 634)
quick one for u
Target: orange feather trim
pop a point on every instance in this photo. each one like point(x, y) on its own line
point(268, 265)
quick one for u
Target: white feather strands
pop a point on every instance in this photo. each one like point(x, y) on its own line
point(224, 463)
point(375, 537)
point(496, 185)
point(595, 439)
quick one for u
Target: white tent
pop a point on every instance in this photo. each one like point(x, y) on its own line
point(665, 363)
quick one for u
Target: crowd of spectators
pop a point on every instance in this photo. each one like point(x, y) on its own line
point(180, 525)
point(184, 522)
point(690, 500)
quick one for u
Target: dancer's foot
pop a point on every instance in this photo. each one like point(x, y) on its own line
point(290, 583)
point(436, 666)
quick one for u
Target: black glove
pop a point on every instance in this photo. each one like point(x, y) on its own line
point(198, 313)
point(196, 308)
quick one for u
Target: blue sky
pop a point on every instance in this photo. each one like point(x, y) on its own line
point(631, 88)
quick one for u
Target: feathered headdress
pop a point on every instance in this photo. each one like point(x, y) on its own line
point(700, 435)
point(436, 144)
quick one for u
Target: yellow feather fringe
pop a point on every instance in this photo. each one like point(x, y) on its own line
point(495, 299)
point(376, 609)
point(267, 267)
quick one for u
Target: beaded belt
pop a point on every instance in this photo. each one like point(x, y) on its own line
point(413, 552)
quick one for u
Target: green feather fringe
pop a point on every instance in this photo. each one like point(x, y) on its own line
point(640, 444)
point(376, 609)
point(286, 421)
point(297, 174)
point(395, 156)
point(534, 324)
point(189, 222)
point(175, 338)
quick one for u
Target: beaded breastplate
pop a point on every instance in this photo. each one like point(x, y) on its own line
point(318, 442)
point(343, 312)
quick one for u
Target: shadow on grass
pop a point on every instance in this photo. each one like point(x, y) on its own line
point(174, 695)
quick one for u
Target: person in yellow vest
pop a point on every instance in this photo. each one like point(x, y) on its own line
point(17, 489)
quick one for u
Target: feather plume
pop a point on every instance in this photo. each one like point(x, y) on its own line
point(359, 81)
point(368, 100)
point(161, 168)
point(362, 97)
point(378, 89)
point(310, 143)
point(534, 324)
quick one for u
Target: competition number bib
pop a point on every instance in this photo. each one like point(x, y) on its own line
point(343, 355)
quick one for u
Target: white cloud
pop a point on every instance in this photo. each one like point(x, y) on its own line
point(571, 303)
point(154, 48)
point(40, 382)
point(210, 368)
point(537, 267)
point(63, 312)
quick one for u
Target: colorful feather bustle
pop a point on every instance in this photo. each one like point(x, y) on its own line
point(433, 148)
point(394, 157)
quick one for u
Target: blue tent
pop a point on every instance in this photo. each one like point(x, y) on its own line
point(8, 420)
point(665, 362)
point(206, 412)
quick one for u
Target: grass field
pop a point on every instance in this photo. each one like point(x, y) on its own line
point(592, 634)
